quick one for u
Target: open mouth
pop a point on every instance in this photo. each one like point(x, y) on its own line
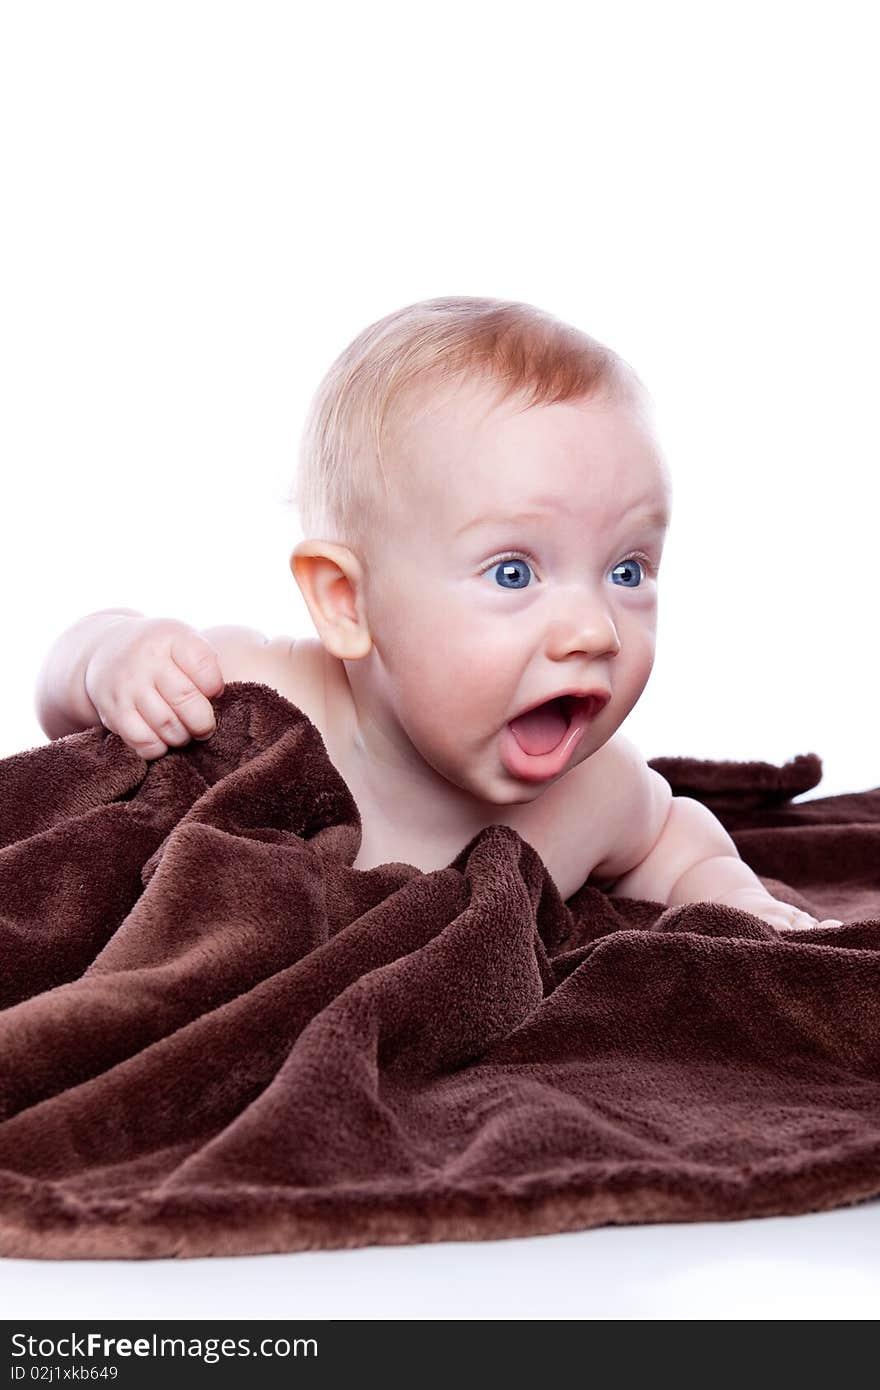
point(537, 744)
point(542, 729)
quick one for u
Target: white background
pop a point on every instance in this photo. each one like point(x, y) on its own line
point(205, 202)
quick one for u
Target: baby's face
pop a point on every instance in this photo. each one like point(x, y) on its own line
point(520, 559)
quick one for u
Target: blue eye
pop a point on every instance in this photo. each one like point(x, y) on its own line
point(628, 565)
point(512, 570)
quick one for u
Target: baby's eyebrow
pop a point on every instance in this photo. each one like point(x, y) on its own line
point(495, 518)
point(659, 520)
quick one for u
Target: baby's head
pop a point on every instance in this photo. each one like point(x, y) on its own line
point(485, 505)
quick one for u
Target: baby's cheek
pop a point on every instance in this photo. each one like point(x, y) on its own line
point(640, 653)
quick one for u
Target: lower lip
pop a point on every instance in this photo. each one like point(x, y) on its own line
point(537, 767)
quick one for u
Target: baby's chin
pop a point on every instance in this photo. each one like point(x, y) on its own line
point(499, 790)
point(485, 780)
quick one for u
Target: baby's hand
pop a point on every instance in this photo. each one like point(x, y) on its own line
point(149, 680)
point(782, 916)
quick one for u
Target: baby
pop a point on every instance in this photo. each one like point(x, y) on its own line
point(491, 505)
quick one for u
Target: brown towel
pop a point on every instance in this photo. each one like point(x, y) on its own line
point(218, 1038)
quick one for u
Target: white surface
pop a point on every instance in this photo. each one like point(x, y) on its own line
point(822, 1266)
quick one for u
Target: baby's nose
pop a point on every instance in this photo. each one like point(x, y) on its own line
point(589, 627)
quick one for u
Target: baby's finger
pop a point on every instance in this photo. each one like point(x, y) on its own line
point(199, 661)
point(133, 730)
point(798, 921)
point(805, 921)
point(194, 712)
point(161, 718)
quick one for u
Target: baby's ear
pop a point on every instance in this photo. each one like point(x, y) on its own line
point(331, 580)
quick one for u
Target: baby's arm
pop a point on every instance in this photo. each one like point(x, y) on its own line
point(62, 705)
point(695, 860)
point(149, 680)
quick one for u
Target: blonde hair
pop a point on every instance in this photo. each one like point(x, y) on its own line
point(342, 487)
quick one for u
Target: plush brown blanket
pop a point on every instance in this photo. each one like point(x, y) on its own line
point(218, 1038)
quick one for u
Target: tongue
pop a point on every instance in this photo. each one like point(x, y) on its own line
point(541, 729)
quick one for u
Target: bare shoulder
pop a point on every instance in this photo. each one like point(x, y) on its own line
point(285, 664)
point(635, 803)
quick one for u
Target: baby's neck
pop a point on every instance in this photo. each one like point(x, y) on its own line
point(410, 794)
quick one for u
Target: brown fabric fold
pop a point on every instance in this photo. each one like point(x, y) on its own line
point(218, 1038)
